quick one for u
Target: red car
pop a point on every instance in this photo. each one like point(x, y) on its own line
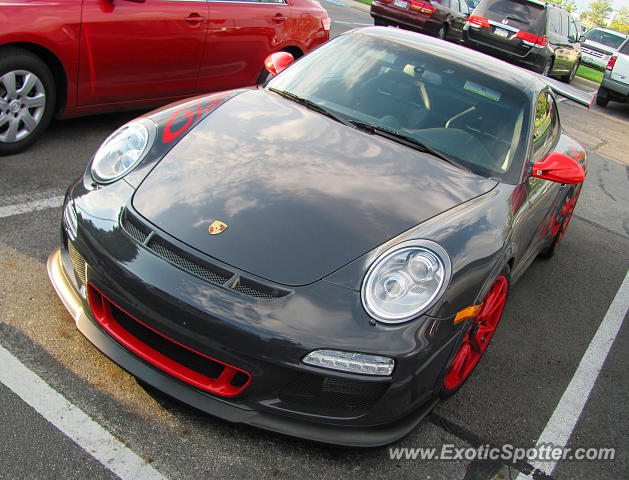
point(79, 57)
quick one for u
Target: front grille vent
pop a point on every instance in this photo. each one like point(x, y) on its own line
point(164, 250)
point(204, 269)
point(78, 263)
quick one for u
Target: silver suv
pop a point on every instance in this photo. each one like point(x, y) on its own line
point(615, 84)
point(598, 44)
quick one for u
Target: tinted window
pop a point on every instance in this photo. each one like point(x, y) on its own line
point(572, 29)
point(519, 13)
point(564, 24)
point(475, 118)
point(554, 22)
point(625, 48)
point(606, 38)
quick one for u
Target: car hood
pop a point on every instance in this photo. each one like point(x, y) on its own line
point(598, 46)
point(301, 194)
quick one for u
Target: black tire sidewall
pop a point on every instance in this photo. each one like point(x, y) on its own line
point(18, 59)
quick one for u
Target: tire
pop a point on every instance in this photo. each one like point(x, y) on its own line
point(560, 223)
point(548, 66)
point(477, 337)
point(568, 78)
point(27, 99)
point(602, 97)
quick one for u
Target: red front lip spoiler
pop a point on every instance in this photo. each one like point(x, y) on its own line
point(222, 385)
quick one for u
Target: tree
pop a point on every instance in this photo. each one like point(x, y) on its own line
point(565, 4)
point(597, 13)
point(621, 21)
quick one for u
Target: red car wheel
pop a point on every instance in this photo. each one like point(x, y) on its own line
point(478, 336)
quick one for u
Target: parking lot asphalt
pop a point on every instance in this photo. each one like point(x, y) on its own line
point(551, 316)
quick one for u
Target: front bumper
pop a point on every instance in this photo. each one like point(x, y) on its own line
point(335, 434)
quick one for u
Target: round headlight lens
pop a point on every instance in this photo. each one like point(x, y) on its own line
point(122, 151)
point(405, 281)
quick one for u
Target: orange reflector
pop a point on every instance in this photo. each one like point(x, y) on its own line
point(466, 313)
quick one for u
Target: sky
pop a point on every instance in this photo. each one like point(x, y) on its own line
point(618, 4)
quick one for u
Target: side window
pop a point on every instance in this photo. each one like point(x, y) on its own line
point(555, 22)
point(564, 24)
point(625, 48)
point(572, 29)
point(546, 126)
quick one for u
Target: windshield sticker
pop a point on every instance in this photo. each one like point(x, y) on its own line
point(484, 91)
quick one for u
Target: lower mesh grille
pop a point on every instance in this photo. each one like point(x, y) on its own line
point(78, 263)
point(318, 393)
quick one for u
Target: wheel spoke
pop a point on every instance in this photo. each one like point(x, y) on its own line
point(30, 81)
point(11, 133)
point(4, 119)
point(8, 80)
point(38, 100)
point(29, 122)
point(4, 105)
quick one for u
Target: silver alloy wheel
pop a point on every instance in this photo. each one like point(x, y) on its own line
point(22, 105)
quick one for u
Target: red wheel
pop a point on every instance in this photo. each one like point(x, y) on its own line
point(560, 223)
point(478, 336)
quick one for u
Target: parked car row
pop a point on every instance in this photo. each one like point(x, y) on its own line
point(528, 33)
point(80, 57)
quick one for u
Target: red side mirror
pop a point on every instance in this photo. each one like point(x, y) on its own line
point(278, 61)
point(559, 168)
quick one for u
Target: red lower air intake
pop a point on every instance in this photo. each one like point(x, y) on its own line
point(103, 309)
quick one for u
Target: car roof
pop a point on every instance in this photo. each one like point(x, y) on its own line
point(518, 77)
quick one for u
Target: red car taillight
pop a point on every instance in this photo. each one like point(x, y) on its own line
point(537, 40)
point(612, 62)
point(478, 21)
point(422, 7)
point(325, 23)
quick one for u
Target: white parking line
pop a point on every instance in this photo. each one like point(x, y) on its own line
point(33, 206)
point(73, 422)
point(566, 415)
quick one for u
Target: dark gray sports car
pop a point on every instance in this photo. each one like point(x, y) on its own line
point(326, 255)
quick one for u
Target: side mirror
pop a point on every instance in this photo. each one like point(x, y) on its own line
point(278, 61)
point(559, 168)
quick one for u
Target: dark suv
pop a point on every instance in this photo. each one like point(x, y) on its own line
point(528, 33)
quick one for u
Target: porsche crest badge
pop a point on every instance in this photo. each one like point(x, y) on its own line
point(217, 227)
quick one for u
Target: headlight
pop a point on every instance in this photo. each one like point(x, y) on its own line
point(122, 151)
point(405, 281)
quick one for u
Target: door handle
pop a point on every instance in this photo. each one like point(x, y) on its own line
point(194, 19)
point(279, 18)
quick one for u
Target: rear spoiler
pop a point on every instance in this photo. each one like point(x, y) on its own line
point(571, 93)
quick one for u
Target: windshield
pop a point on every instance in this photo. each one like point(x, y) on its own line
point(606, 38)
point(467, 116)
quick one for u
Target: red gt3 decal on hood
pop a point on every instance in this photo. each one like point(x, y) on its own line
point(190, 111)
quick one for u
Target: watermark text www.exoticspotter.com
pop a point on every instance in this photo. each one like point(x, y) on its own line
point(506, 453)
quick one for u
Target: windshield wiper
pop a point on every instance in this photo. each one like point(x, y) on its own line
point(312, 106)
point(406, 140)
